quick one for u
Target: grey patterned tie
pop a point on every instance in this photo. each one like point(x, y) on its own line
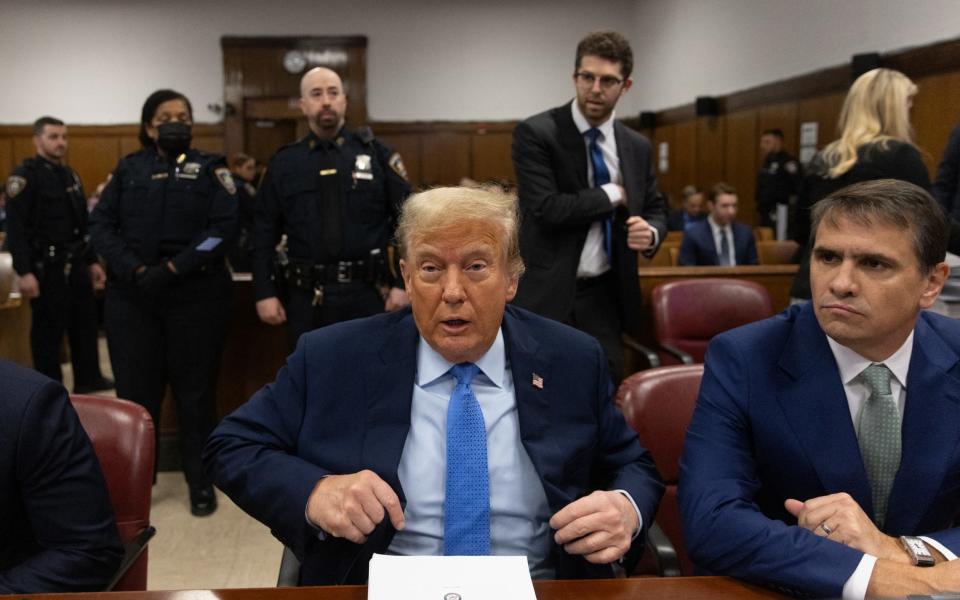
point(724, 249)
point(880, 437)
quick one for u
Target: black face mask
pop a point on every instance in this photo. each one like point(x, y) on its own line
point(174, 138)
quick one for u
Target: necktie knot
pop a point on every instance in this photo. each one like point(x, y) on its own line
point(464, 373)
point(877, 377)
point(593, 134)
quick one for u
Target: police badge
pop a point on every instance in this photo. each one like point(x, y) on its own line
point(15, 185)
point(363, 167)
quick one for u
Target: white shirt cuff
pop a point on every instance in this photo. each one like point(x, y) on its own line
point(639, 516)
point(656, 237)
point(943, 549)
point(613, 192)
point(856, 586)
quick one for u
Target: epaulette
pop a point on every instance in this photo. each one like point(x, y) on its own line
point(364, 134)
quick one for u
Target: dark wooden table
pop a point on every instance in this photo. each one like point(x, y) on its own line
point(688, 588)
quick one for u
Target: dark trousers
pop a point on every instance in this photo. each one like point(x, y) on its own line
point(596, 311)
point(341, 302)
point(174, 337)
point(65, 304)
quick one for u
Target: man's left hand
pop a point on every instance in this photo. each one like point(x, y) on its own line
point(395, 300)
point(838, 517)
point(639, 236)
point(599, 526)
point(97, 277)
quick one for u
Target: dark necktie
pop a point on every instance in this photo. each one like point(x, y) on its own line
point(466, 506)
point(601, 176)
point(880, 438)
point(724, 249)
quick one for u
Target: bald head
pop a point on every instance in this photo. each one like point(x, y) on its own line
point(322, 101)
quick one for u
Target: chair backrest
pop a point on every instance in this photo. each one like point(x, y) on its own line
point(123, 440)
point(688, 313)
point(761, 233)
point(7, 275)
point(658, 404)
point(666, 255)
point(674, 236)
point(777, 252)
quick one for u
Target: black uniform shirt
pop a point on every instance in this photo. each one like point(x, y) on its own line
point(777, 181)
point(335, 199)
point(155, 210)
point(45, 206)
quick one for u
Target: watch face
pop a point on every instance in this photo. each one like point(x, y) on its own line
point(294, 61)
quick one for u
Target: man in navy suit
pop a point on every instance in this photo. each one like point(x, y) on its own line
point(825, 433)
point(590, 202)
point(461, 427)
point(57, 531)
point(691, 212)
point(719, 240)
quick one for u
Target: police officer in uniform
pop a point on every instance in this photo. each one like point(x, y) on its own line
point(47, 236)
point(163, 224)
point(336, 194)
point(244, 170)
point(778, 179)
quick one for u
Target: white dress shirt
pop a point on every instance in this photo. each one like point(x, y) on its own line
point(851, 365)
point(718, 232)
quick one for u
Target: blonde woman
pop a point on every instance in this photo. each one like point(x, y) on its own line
point(876, 142)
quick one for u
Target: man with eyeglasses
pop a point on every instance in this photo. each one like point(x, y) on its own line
point(589, 202)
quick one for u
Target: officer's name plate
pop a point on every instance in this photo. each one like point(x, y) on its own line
point(449, 578)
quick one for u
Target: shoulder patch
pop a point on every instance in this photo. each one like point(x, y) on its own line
point(396, 163)
point(15, 185)
point(226, 179)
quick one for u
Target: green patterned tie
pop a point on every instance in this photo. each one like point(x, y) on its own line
point(880, 437)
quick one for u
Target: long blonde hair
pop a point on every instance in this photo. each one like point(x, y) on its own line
point(876, 110)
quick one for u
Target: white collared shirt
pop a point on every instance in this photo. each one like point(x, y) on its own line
point(718, 232)
point(851, 365)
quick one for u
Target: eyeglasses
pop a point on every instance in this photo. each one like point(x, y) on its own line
point(587, 79)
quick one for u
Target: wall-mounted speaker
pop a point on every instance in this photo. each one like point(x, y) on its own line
point(707, 106)
point(861, 63)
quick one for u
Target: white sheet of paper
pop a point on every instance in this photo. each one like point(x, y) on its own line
point(449, 578)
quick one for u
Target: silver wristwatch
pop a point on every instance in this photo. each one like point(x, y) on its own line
point(918, 551)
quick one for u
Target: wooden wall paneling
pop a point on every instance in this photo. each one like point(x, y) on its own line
point(93, 157)
point(665, 179)
point(825, 111)
point(445, 158)
point(710, 149)
point(6, 159)
point(683, 157)
point(23, 148)
point(129, 144)
point(408, 145)
point(491, 156)
point(784, 116)
point(739, 166)
point(233, 99)
point(936, 111)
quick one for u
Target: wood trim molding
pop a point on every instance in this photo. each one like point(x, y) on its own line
point(916, 62)
point(132, 129)
point(472, 127)
point(285, 41)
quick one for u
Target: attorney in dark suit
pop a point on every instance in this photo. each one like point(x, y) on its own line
point(589, 202)
point(823, 434)
point(57, 531)
point(692, 211)
point(461, 427)
point(719, 240)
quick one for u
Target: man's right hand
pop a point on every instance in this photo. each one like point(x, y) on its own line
point(29, 286)
point(351, 506)
point(270, 311)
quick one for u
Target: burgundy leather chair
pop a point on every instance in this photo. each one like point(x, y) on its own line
point(122, 436)
point(658, 404)
point(688, 313)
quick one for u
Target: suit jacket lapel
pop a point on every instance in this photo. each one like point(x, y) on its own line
point(929, 431)
point(388, 398)
point(572, 142)
point(711, 244)
point(533, 403)
point(813, 400)
point(627, 156)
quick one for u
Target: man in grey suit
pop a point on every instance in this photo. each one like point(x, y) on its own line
point(589, 202)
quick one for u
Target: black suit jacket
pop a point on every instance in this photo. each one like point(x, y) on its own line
point(558, 206)
point(57, 531)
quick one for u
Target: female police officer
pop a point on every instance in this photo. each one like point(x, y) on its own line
point(163, 225)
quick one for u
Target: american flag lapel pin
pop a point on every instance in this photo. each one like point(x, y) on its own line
point(537, 381)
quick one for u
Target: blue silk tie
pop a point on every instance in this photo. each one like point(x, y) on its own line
point(466, 507)
point(601, 176)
